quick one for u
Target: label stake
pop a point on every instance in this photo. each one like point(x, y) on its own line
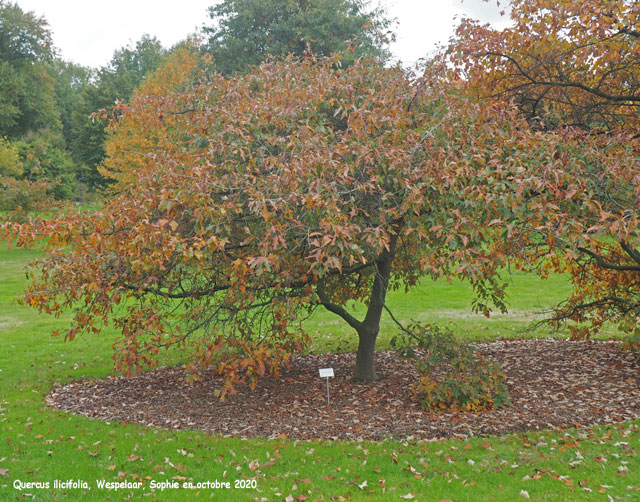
point(327, 373)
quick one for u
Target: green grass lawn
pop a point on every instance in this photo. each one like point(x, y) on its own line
point(41, 445)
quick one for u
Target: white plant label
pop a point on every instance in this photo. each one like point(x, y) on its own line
point(326, 372)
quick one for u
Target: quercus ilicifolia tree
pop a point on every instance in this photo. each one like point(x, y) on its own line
point(572, 68)
point(242, 204)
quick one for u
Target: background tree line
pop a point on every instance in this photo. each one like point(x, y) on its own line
point(51, 143)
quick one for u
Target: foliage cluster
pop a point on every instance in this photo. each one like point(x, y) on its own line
point(35, 171)
point(112, 84)
point(453, 376)
point(22, 196)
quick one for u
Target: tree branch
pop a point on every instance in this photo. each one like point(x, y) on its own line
point(577, 85)
point(608, 265)
point(630, 251)
point(336, 309)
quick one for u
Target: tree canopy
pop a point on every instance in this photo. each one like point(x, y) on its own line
point(242, 204)
point(245, 32)
point(36, 167)
point(24, 36)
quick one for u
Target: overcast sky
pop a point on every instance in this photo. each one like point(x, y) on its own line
point(88, 31)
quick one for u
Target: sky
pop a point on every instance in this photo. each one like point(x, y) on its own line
point(88, 32)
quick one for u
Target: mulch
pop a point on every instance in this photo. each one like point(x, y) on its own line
point(552, 384)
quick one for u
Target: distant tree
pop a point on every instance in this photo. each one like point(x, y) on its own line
point(245, 32)
point(27, 93)
point(10, 165)
point(23, 35)
point(34, 166)
point(71, 80)
point(114, 82)
point(43, 157)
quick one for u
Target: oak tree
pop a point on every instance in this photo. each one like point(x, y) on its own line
point(242, 204)
point(572, 69)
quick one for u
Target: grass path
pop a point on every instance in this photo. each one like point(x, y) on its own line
point(41, 445)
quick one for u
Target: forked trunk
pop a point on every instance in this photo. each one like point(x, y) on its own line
point(369, 327)
point(368, 330)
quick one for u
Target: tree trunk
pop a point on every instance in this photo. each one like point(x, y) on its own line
point(365, 368)
point(369, 327)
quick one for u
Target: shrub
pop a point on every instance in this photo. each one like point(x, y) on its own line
point(25, 195)
point(632, 342)
point(43, 159)
point(452, 375)
point(10, 164)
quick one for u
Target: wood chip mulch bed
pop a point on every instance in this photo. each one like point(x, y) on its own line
point(552, 383)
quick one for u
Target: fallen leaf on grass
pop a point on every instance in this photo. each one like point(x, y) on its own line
point(524, 493)
point(4, 472)
point(94, 453)
point(111, 468)
point(408, 496)
point(132, 458)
